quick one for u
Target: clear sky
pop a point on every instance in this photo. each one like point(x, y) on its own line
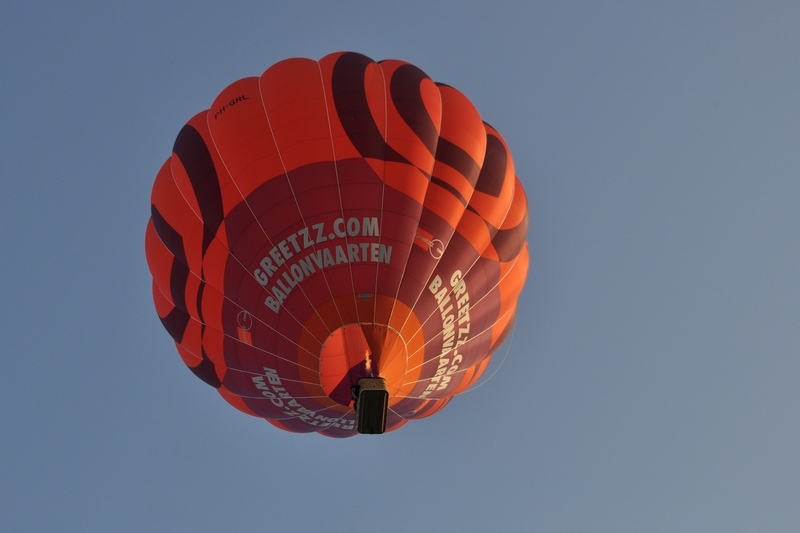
point(652, 381)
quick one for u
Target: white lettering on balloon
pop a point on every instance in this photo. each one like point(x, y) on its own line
point(454, 308)
point(307, 259)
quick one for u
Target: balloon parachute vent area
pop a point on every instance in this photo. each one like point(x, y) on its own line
point(372, 405)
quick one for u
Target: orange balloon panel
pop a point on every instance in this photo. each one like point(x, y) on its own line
point(334, 220)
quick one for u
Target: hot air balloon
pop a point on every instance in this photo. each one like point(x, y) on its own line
point(337, 246)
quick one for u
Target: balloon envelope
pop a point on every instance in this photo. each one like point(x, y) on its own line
point(332, 220)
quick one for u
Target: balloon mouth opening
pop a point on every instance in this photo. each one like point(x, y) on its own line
point(357, 351)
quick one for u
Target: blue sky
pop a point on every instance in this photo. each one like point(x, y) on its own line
point(651, 383)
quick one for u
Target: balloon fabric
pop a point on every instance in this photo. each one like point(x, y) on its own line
point(335, 220)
